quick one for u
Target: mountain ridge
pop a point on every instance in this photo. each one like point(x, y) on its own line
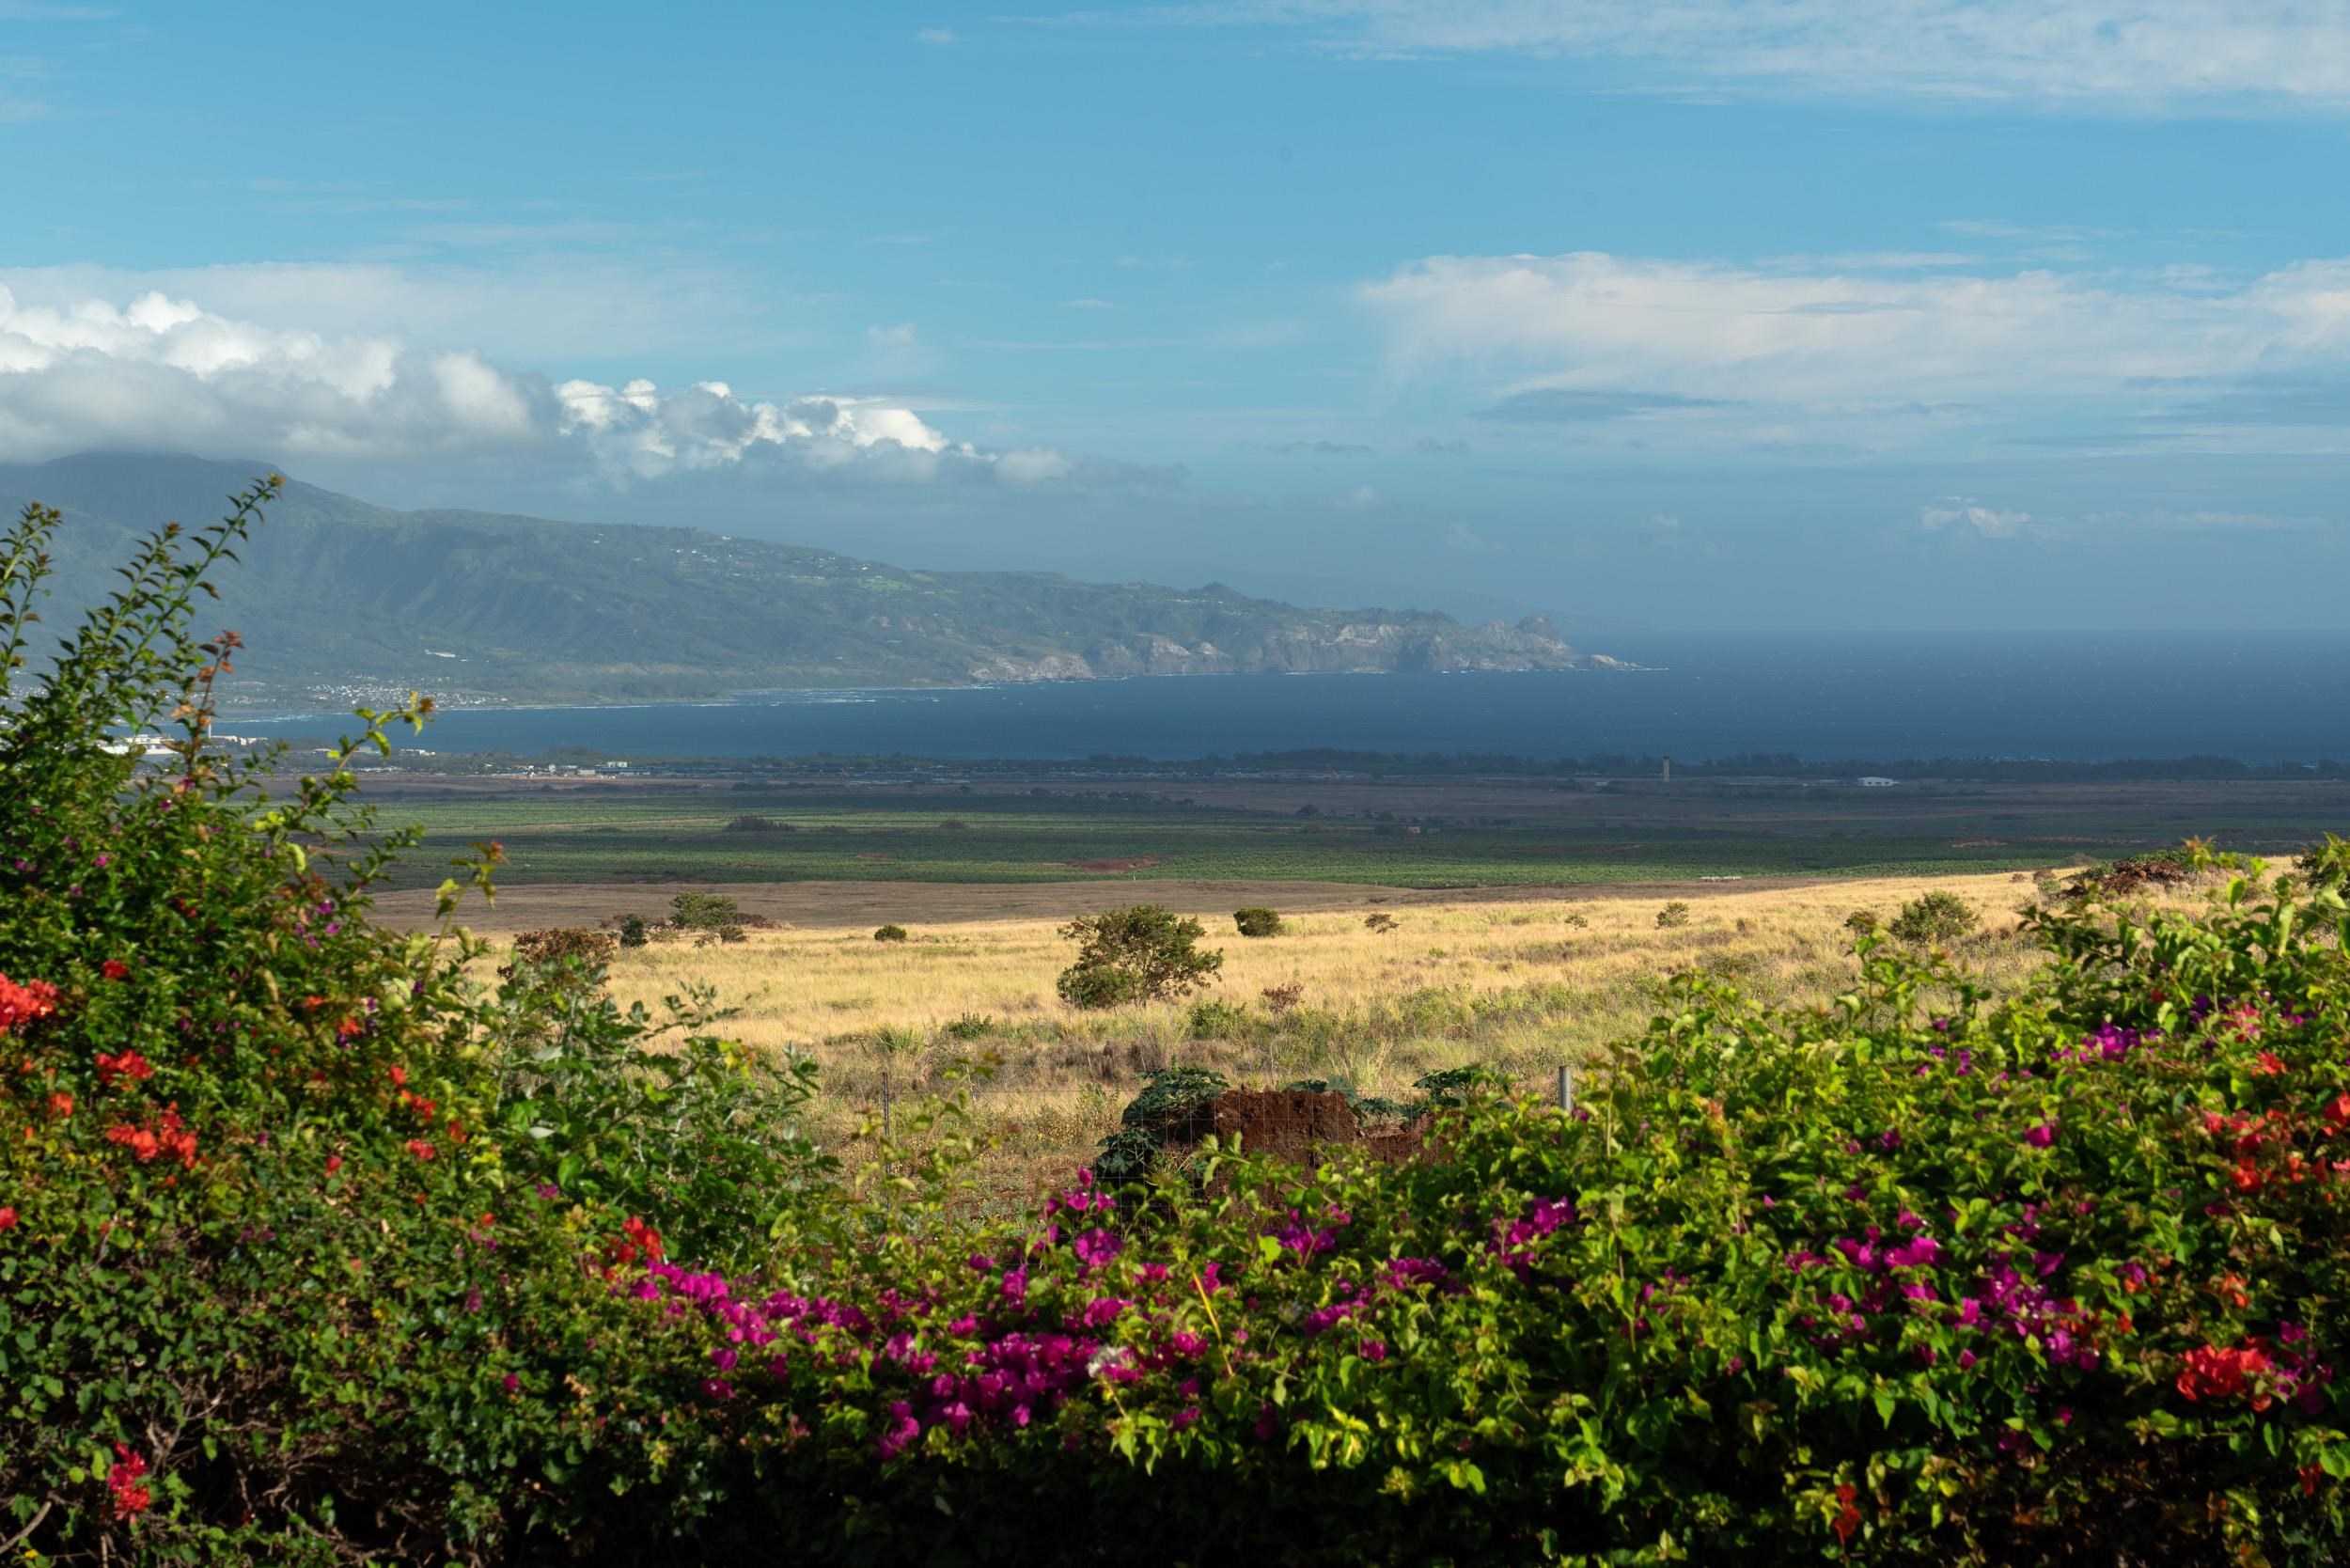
point(337, 597)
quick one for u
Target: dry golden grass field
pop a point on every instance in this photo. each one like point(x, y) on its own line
point(1519, 980)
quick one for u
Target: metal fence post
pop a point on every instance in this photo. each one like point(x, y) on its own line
point(1566, 1090)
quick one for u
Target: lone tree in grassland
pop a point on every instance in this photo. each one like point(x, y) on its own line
point(1141, 953)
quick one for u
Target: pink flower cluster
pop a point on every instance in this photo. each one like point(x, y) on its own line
point(2110, 1043)
point(1513, 1239)
point(962, 1374)
point(2016, 1301)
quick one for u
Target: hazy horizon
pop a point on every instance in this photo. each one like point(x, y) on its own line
point(1701, 317)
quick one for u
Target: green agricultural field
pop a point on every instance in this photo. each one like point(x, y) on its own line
point(874, 836)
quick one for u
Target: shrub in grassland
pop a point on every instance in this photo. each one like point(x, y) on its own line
point(890, 934)
point(1213, 1018)
point(1935, 915)
point(693, 911)
point(1674, 915)
point(1257, 921)
point(1164, 1113)
point(559, 956)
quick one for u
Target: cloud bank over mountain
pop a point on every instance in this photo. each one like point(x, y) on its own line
point(158, 371)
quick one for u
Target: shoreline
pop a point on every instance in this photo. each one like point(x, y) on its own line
point(786, 697)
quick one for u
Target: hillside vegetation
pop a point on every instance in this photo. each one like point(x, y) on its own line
point(339, 594)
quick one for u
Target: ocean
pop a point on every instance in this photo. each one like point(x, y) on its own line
point(2257, 696)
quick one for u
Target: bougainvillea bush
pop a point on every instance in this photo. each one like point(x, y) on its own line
point(311, 1250)
point(294, 1221)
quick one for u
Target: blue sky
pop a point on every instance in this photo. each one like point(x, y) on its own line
point(1698, 313)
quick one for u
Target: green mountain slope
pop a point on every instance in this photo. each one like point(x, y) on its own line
point(337, 597)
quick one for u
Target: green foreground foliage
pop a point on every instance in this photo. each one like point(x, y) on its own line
point(312, 1250)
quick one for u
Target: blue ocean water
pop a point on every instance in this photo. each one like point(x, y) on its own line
point(2264, 696)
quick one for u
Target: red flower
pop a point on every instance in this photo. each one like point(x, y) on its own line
point(114, 968)
point(398, 1075)
point(7, 1216)
point(21, 1004)
point(122, 1479)
point(127, 1064)
point(637, 1240)
point(334, 1163)
point(419, 1148)
point(2222, 1371)
point(61, 1105)
point(139, 1140)
point(1848, 1516)
point(161, 1136)
point(2337, 1111)
point(2271, 1063)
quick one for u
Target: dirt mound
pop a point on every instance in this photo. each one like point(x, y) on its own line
point(1300, 1126)
point(1287, 1125)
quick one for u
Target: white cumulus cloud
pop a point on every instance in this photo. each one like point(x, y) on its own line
point(162, 372)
